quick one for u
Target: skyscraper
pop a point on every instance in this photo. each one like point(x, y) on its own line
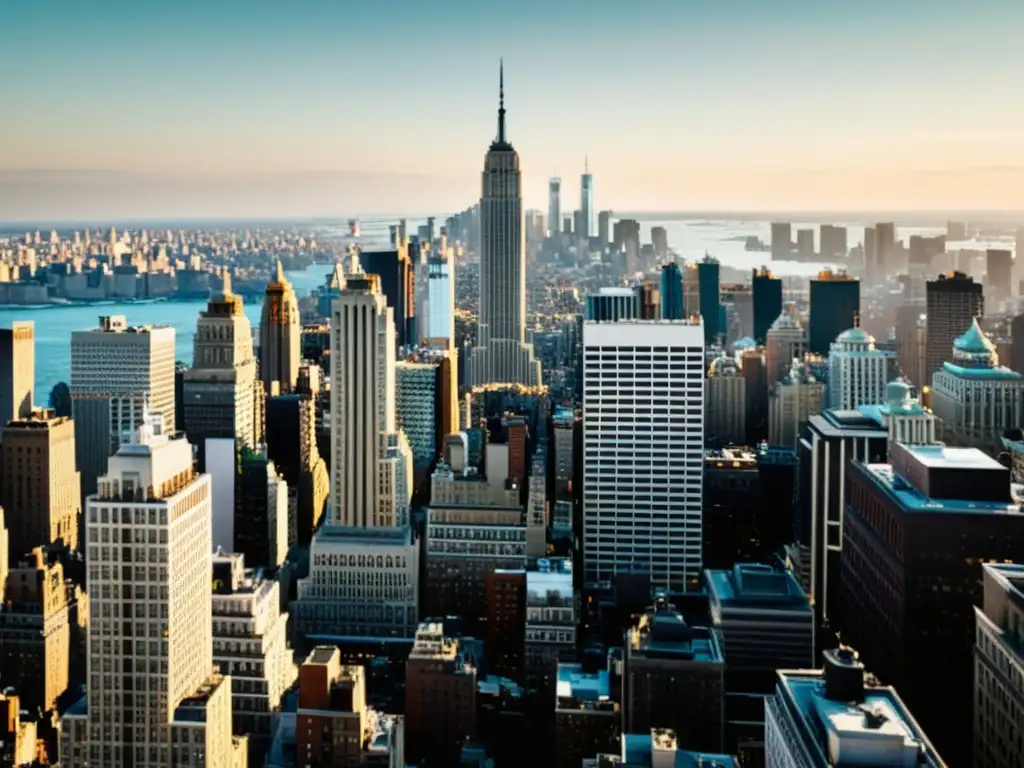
point(440, 301)
point(280, 335)
point(396, 271)
point(219, 391)
point(554, 205)
point(710, 298)
point(151, 627)
point(604, 227)
point(587, 211)
point(17, 371)
point(39, 487)
point(117, 373)
point(998, 275)
point(362, 400)
point(671, 292)
point(502, 354)
point(644, 437)
point(952, 302)
point(835, 304)
point(767, 290)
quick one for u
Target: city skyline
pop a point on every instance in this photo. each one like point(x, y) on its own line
point(274, 111)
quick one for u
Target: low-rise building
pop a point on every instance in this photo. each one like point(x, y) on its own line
point(674, 677)
point(766, 623)
point(440, 697)
point(362, 581)
point(587, 716)
point(201, 729)
point(656, 749)
point(550, 628)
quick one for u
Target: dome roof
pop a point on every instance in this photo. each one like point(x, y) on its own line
point(855, 336)
point(974, 341)
point(897, 392)
point(745, 343)
point(724, 366)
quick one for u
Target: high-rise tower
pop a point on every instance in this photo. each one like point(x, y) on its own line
point(587, 202)
point(502, 354)
point(554, 205)
point(280, 338)
point(219, 394)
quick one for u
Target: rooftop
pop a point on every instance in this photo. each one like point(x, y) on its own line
point(577, 689)
point(878, 731)
point(193, 708)
point(732, 456)
point(638, 750)
point(663, 633)
point(944, 456)
point(750, 585)
point(913, 500)
point(333, 534)
point(866, 421)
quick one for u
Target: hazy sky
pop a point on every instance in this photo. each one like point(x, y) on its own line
point(126, 109)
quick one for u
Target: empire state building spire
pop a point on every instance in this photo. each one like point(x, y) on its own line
point(502, 354)
point(501, 101)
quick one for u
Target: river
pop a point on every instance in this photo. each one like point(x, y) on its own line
point(722, 238)
point(54, 324)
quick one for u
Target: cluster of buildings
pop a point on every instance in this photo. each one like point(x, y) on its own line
point(389, 539)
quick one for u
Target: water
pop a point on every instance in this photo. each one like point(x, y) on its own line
point(54, 324)
point(721, 238)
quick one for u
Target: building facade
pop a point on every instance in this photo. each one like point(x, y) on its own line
point(976, 398)
point(830, 716)
point(793, 401)
point(725, 397)
point(118, 373)
point(786, 341)
point(952, 301)
point(643, 437)
point(502, 354)
point(220, 390)
point(926, 519)
point(834, 307)
point(674, 677)
point(857, 371)
point(280, 336)
point(149, 558)
point(39, 487)
point(17, 371)
point(999, 667)
point(250, 643)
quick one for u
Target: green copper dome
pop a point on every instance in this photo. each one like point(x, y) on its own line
point(974, 341)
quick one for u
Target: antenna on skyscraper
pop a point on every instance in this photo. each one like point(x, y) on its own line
point(501, 101)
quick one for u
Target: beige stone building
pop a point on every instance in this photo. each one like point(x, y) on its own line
point(39, 485)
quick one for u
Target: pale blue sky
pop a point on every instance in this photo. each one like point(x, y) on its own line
point(681, 104)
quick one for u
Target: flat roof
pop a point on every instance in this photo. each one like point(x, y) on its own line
point(913, 500)
point(835, 422)
point(574, 683)
point(637, 749)
point(753, 585)
point(848, 727)
point(943, 456)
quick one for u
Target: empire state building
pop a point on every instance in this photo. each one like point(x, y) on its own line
point(502, 356)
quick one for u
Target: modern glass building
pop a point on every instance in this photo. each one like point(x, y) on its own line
point(767, 292)
point(672, 292)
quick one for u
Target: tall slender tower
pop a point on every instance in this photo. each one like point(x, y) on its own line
point(588, 227)
point(369, 478)
point(554, 206)
point(502, 354)
point(220, 389)
point(280, 342)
